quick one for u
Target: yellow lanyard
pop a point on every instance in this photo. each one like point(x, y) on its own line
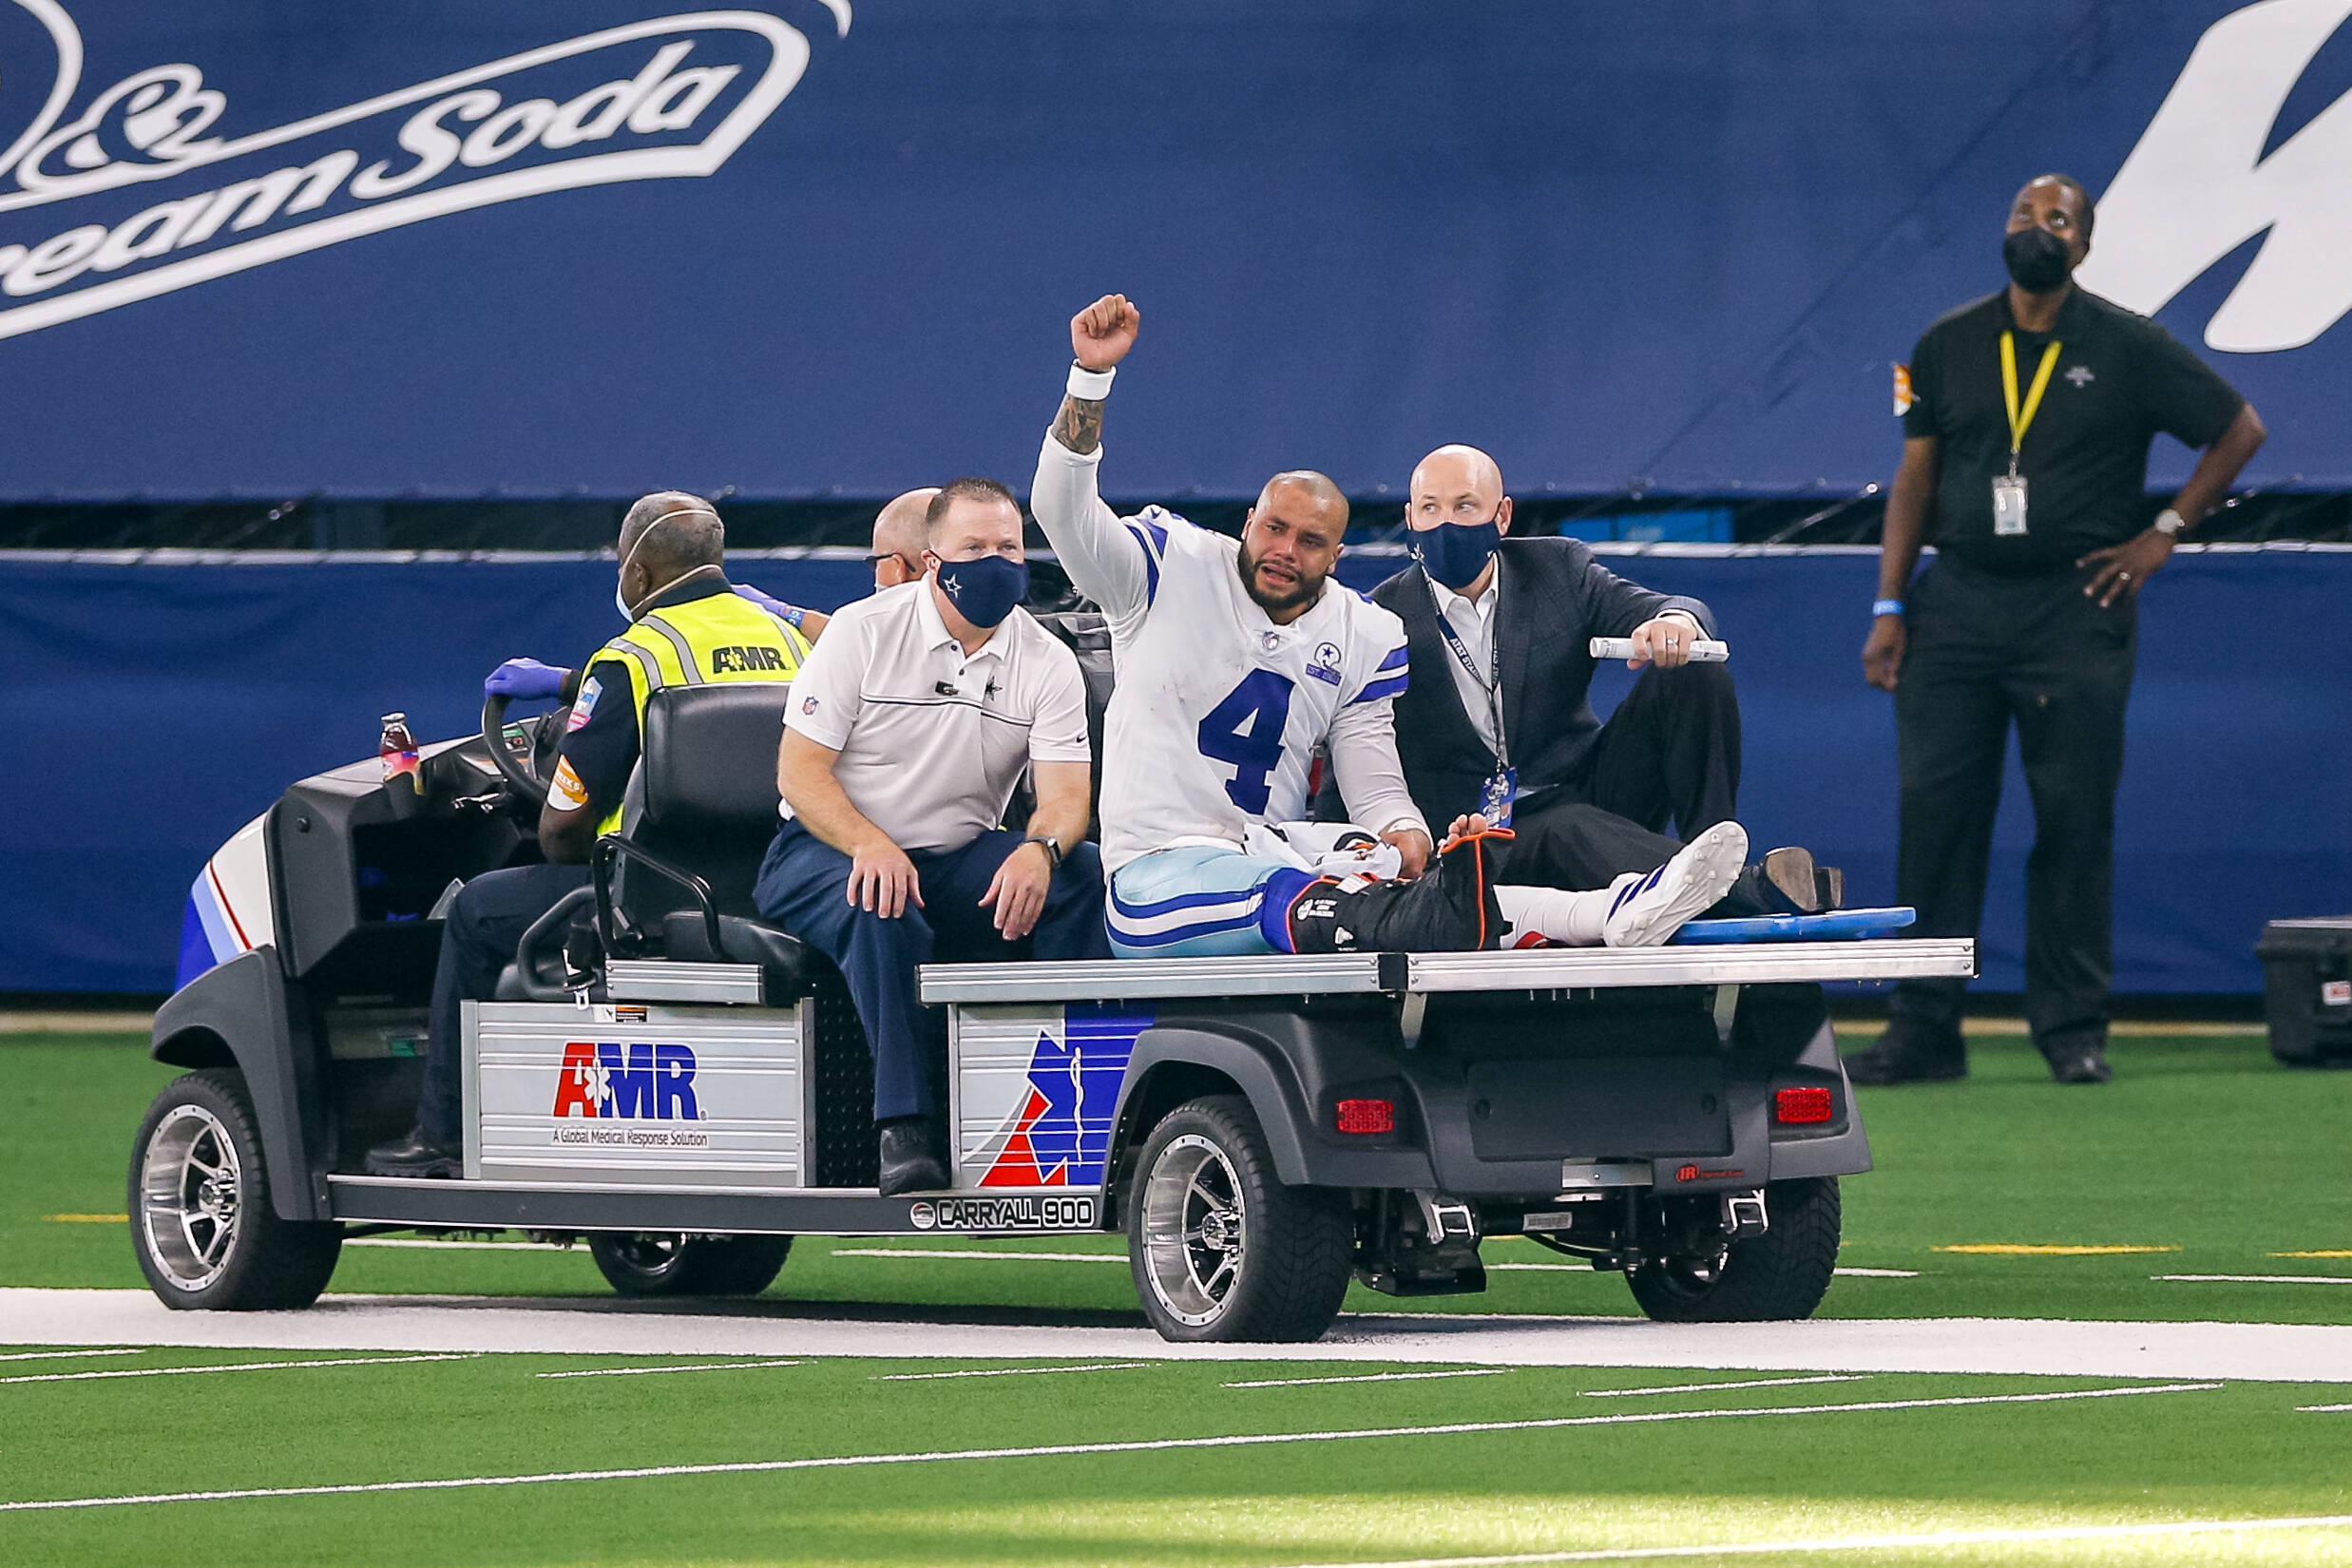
point(2019, 422)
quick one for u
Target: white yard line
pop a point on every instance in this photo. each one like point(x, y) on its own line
point(230, 1366)
point(1065, 1450)
point(69, 1355)
point(1371, 1377)
point(645, 1371)
point(989, 1257)
point(1710, 1388)
point(1880, 1273)
point(2260, 1279)
point(600, 1326)
point(2322, 1408)
point(1012, 1372)
point(1872, 1543)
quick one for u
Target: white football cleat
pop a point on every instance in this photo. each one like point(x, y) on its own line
point(1647, 910)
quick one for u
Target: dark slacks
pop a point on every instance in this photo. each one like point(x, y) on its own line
point(803, 886)
point(485, 921)
point(1985, 652)
point(1668, 754)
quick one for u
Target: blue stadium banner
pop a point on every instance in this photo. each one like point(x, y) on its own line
point(418, 247)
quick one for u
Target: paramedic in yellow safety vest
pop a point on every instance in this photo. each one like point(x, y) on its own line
point(687, 623)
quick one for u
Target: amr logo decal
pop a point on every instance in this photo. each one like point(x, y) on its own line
point(2199, 185)
point(152, 185)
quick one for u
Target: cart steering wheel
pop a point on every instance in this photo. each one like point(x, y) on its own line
point(520, 771)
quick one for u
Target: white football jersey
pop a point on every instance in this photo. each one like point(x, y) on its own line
point(1219, 713)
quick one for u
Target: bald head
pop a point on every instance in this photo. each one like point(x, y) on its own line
point(898, 527)
point(1449, 477)
point(665, 536)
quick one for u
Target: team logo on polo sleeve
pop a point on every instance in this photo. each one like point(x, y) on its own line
point(1903, 398)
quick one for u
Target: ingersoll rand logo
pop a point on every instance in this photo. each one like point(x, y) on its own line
point(158, 182)
point(642, 1082)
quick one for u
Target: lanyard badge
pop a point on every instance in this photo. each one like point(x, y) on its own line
point(1502, 787)
point(2009, 489)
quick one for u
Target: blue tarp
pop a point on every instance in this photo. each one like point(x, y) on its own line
point(406, 248)
point(149, 710)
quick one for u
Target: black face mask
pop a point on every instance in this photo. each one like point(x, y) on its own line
point(2036, 260)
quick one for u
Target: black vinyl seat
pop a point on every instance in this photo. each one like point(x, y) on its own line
point(703, 805)
point(706, 805)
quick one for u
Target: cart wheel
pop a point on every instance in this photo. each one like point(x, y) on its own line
point(200, 1207)
point(664, 1263)
point(1220, 1249)
point(1780, 1274)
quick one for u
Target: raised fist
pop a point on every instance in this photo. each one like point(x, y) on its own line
point(1102, 332)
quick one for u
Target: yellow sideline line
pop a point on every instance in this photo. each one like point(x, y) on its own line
point(87, 1219)
point(2025, 1249)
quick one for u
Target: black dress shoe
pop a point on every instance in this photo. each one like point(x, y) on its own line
point(1794, 880)
point(1901, 1057)
point(2080, 1064)
point(416, 1156)
point(907, 1163)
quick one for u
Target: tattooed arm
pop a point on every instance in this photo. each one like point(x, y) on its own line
point(1108, 561)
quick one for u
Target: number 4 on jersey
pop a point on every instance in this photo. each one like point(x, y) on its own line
point(1245, 730)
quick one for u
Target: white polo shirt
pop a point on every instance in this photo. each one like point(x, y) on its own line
point(932, 740)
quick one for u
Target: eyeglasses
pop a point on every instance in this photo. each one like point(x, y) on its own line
point(915, 567)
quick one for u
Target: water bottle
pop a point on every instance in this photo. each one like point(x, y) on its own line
point(402, 778)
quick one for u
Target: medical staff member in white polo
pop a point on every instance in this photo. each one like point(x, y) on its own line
point(905, 733)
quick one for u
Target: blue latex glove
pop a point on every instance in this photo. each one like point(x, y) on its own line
point(525, 678)
point(789, 614)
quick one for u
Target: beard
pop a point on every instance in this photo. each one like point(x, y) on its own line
point(1302, 592)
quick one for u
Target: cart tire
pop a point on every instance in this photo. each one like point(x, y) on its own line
point(1781, 1275)
point(668, 1264)
point(1220, 1249)
point(200, 1220)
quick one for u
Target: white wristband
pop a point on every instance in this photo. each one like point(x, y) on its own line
point(1090, 386)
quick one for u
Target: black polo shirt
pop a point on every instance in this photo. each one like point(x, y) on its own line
point(2119, 379)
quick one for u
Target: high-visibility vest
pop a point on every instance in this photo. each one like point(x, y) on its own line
point(719, 637)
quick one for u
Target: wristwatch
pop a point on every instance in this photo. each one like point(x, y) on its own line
point(2169, 522)
point(1053, 847)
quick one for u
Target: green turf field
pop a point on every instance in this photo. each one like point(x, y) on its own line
point(1832, 1468)
point(2202, 1146)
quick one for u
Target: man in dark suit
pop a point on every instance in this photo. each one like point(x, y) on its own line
point(1497, 718)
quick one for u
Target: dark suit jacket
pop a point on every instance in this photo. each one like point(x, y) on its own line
point(1556, 597)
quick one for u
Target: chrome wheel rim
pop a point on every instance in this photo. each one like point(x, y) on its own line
point(649, 1253)
point(1196, 1231)
point(191, 1197)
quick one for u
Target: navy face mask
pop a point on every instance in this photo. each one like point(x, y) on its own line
point(984, 591)
point(1455, 553)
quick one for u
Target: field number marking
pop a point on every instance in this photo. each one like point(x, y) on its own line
point(642, 1371)
point(1371, 1377)
point(1061, 1450)
point(1710, 1388)
point(1014, 1371)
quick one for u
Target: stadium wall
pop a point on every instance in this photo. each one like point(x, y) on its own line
point(154, 703)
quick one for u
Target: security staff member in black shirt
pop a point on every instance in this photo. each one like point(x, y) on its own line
point(2026, 422)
